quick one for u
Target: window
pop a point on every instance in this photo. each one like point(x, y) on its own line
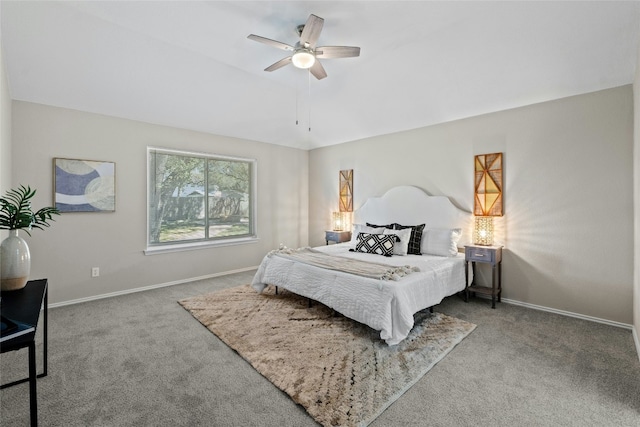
point(197, 199)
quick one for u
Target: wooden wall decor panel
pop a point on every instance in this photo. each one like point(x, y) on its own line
point(346, 190)
point(488, 185)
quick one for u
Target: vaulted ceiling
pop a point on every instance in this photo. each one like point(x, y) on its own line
point(190, 65)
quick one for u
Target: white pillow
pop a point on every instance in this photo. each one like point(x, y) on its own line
point(442, 242)
point(361, 228)
point(401, 247)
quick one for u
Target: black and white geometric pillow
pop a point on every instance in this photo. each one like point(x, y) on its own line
point(381, 244)
point(380, 226)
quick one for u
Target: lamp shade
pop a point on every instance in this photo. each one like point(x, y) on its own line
point(340, 221)
point(483, 232)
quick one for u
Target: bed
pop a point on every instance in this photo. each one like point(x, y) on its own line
point(384, 305)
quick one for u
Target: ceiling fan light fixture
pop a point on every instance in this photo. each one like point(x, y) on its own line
point(303, 58)
point(305, 54)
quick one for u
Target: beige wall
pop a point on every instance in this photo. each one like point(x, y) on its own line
point(568, 224)
point(636, 198)
point(5, 132)
point(5, 127)
point(114, 242)
point(568, 237)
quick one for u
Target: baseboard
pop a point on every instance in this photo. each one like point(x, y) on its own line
point(570, 314)
point(148, 288)
point(241, 270)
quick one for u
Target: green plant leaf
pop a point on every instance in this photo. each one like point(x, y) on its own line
point(16, 213)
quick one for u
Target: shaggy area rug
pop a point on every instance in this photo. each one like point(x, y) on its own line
point(339, 370)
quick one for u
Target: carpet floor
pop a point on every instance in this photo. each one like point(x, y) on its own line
point(339, 370)
point(142, 360)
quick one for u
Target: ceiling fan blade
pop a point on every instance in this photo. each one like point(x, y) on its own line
point(279, 64)
point(318, 70)
point(311, 31)
point(337, 52)
point(270, 42)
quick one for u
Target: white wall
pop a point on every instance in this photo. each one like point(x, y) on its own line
point(568, 224)
point(114, 242)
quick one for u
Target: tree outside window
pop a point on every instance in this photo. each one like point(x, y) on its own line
point(199, 197)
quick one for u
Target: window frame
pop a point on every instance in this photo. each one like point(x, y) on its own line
point(155, 248)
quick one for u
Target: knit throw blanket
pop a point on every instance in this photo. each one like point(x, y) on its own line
point(371, 270)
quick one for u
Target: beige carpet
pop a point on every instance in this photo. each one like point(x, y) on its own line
point(337, 369)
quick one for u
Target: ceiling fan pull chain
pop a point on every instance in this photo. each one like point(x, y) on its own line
point(296, 105)
point(309, 74)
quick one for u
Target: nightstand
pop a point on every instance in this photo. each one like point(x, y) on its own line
point(337, 236)
point(487, 255)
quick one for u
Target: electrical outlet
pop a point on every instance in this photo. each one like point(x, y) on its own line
point(95, 272)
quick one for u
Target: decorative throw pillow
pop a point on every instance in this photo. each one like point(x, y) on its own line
point(361, 228)
point(442, 242)
point(416, 237)
point(390, 226)
point(402, 243)
point(381, 244)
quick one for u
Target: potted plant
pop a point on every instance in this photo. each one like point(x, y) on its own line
point(16, 214)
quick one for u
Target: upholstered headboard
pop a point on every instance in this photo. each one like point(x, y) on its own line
point(409, 205)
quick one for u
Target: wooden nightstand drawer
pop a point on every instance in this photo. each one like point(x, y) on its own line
point(337, 236)
point(489, 254)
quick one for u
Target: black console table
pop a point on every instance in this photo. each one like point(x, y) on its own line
point(24, 306)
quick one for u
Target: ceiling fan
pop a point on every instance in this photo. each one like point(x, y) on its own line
point(305, 53)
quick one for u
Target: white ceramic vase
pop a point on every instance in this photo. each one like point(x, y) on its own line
point(15, 262)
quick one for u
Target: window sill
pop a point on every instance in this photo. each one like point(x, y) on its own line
point(180, 247)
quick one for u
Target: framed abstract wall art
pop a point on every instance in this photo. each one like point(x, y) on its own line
point(84, 185)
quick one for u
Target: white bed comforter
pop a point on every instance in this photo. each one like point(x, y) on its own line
point(386, 306)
